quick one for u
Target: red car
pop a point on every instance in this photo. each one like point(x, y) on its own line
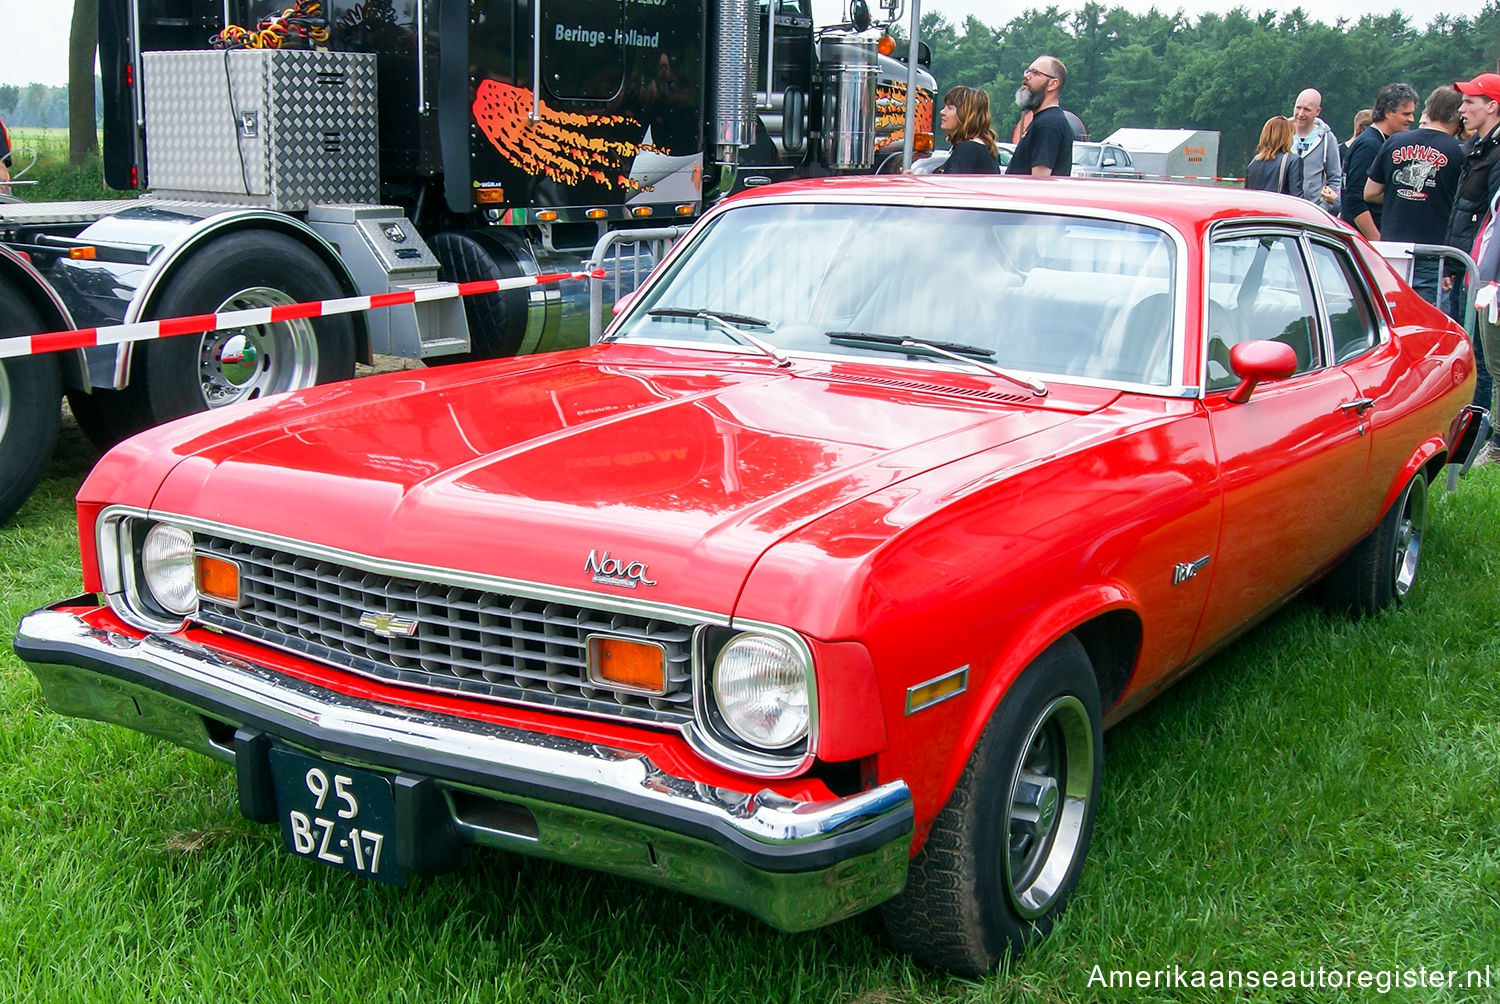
point(812, 587)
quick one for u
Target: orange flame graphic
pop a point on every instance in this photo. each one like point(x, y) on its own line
point(557, 145)
point(890, 113)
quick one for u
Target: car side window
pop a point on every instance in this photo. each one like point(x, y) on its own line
point(1259, 289)
point(1351, 321)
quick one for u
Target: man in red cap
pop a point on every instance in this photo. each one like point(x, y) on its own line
point(1477, 187)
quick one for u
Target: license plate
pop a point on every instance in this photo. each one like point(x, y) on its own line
point(336, 814)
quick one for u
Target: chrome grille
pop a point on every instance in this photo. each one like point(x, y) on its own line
point(467, 640)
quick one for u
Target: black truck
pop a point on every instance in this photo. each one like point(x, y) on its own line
point(306, 151)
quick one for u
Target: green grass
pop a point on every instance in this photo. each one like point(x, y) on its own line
point(1324, 794)
point(56, 180)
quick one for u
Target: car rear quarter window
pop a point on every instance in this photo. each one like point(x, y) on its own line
point(1351, 321)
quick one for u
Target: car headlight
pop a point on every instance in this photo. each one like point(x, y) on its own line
point(167, 568)
point(760, 686)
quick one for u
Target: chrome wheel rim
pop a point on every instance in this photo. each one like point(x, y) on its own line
point(240, 364)
point(1409, 535)
point(5, 405)
point(1047, 805)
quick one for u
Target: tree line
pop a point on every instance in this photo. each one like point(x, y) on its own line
point(1228, 72)
point(36, 106)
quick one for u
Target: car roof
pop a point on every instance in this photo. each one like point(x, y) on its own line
point(1183, 206)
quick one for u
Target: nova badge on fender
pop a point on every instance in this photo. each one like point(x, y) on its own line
point(614, 572)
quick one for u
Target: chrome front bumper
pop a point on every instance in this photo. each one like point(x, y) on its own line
point(793, 864)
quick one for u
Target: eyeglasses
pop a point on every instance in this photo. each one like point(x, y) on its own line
point(1032, 71)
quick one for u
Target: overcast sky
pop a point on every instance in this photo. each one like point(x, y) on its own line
point(36, 49)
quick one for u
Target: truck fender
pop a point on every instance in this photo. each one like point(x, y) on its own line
point(17, 272)
point(192, 233)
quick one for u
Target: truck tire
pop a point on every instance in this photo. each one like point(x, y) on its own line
point(497, 321)
point(30, 408)
point(187, 374)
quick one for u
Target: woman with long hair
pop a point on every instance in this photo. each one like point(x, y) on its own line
point(966, 120)
point(1274, 169)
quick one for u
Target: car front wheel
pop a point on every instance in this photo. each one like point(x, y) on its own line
point(1006, 852)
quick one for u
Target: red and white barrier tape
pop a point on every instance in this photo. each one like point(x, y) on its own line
point(1187, 177)
point(142, 331)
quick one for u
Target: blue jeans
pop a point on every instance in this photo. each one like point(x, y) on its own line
point(1454, 302)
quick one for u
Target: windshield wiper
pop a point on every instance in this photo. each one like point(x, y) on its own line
point(974, 355)
point(726, 321)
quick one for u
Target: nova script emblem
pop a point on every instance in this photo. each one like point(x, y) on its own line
point(609, 571)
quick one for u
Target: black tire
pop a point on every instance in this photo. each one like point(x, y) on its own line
point(1382, 569)
point(30, 407)
point(187, 374)
point(497, 321)
point(990, 879)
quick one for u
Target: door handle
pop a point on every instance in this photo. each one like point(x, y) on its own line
point(1359, 405)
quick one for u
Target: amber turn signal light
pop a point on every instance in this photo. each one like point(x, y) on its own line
point(630, 665)
point(641, 211)
point(923, 141)
point(218, 579)
point(886, 45)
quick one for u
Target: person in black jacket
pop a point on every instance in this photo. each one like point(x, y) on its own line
point(1477, 187)
point(1274, 169)
point(965, 118)
point(1395, 107)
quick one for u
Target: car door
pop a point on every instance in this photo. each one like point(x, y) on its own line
point(1294, 459)
point(1362, 345)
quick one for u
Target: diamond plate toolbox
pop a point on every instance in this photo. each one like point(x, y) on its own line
point(277, 128)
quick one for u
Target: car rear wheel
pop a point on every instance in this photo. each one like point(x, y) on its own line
point(1382, 569)
point(1006, 852)
point(30, 408)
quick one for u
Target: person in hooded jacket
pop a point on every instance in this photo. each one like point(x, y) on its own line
point(1315, 145)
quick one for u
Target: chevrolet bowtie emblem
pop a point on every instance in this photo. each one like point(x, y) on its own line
point(388, 625)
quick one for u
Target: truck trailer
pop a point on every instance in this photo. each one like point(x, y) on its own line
point(318, 151)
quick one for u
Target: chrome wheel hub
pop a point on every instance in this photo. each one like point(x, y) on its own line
point(1048, 804)
point(5, 405)
point(239, 364)
point(1409, 535)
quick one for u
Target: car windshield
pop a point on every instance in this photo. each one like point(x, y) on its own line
point(1086, 155)
point(1030, 292)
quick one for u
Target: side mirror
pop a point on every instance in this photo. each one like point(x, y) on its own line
point(793, 125)
point(859, 15)
point(1254, 362)
point(622, 303)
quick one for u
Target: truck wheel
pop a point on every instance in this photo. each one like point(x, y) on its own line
point(1382, 569)
point(192, 373)
point(1006, 851)
point(497, 321)
point(30, 408)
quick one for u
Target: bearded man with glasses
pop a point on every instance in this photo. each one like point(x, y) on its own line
point(1047, 147)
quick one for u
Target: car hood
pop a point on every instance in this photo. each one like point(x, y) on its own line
point(659, 476)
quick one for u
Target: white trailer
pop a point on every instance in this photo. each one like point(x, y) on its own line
point(1172, 154)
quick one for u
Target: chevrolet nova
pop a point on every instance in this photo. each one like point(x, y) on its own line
point(813, 586)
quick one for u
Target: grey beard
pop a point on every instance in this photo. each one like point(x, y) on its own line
point(1027, 99)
